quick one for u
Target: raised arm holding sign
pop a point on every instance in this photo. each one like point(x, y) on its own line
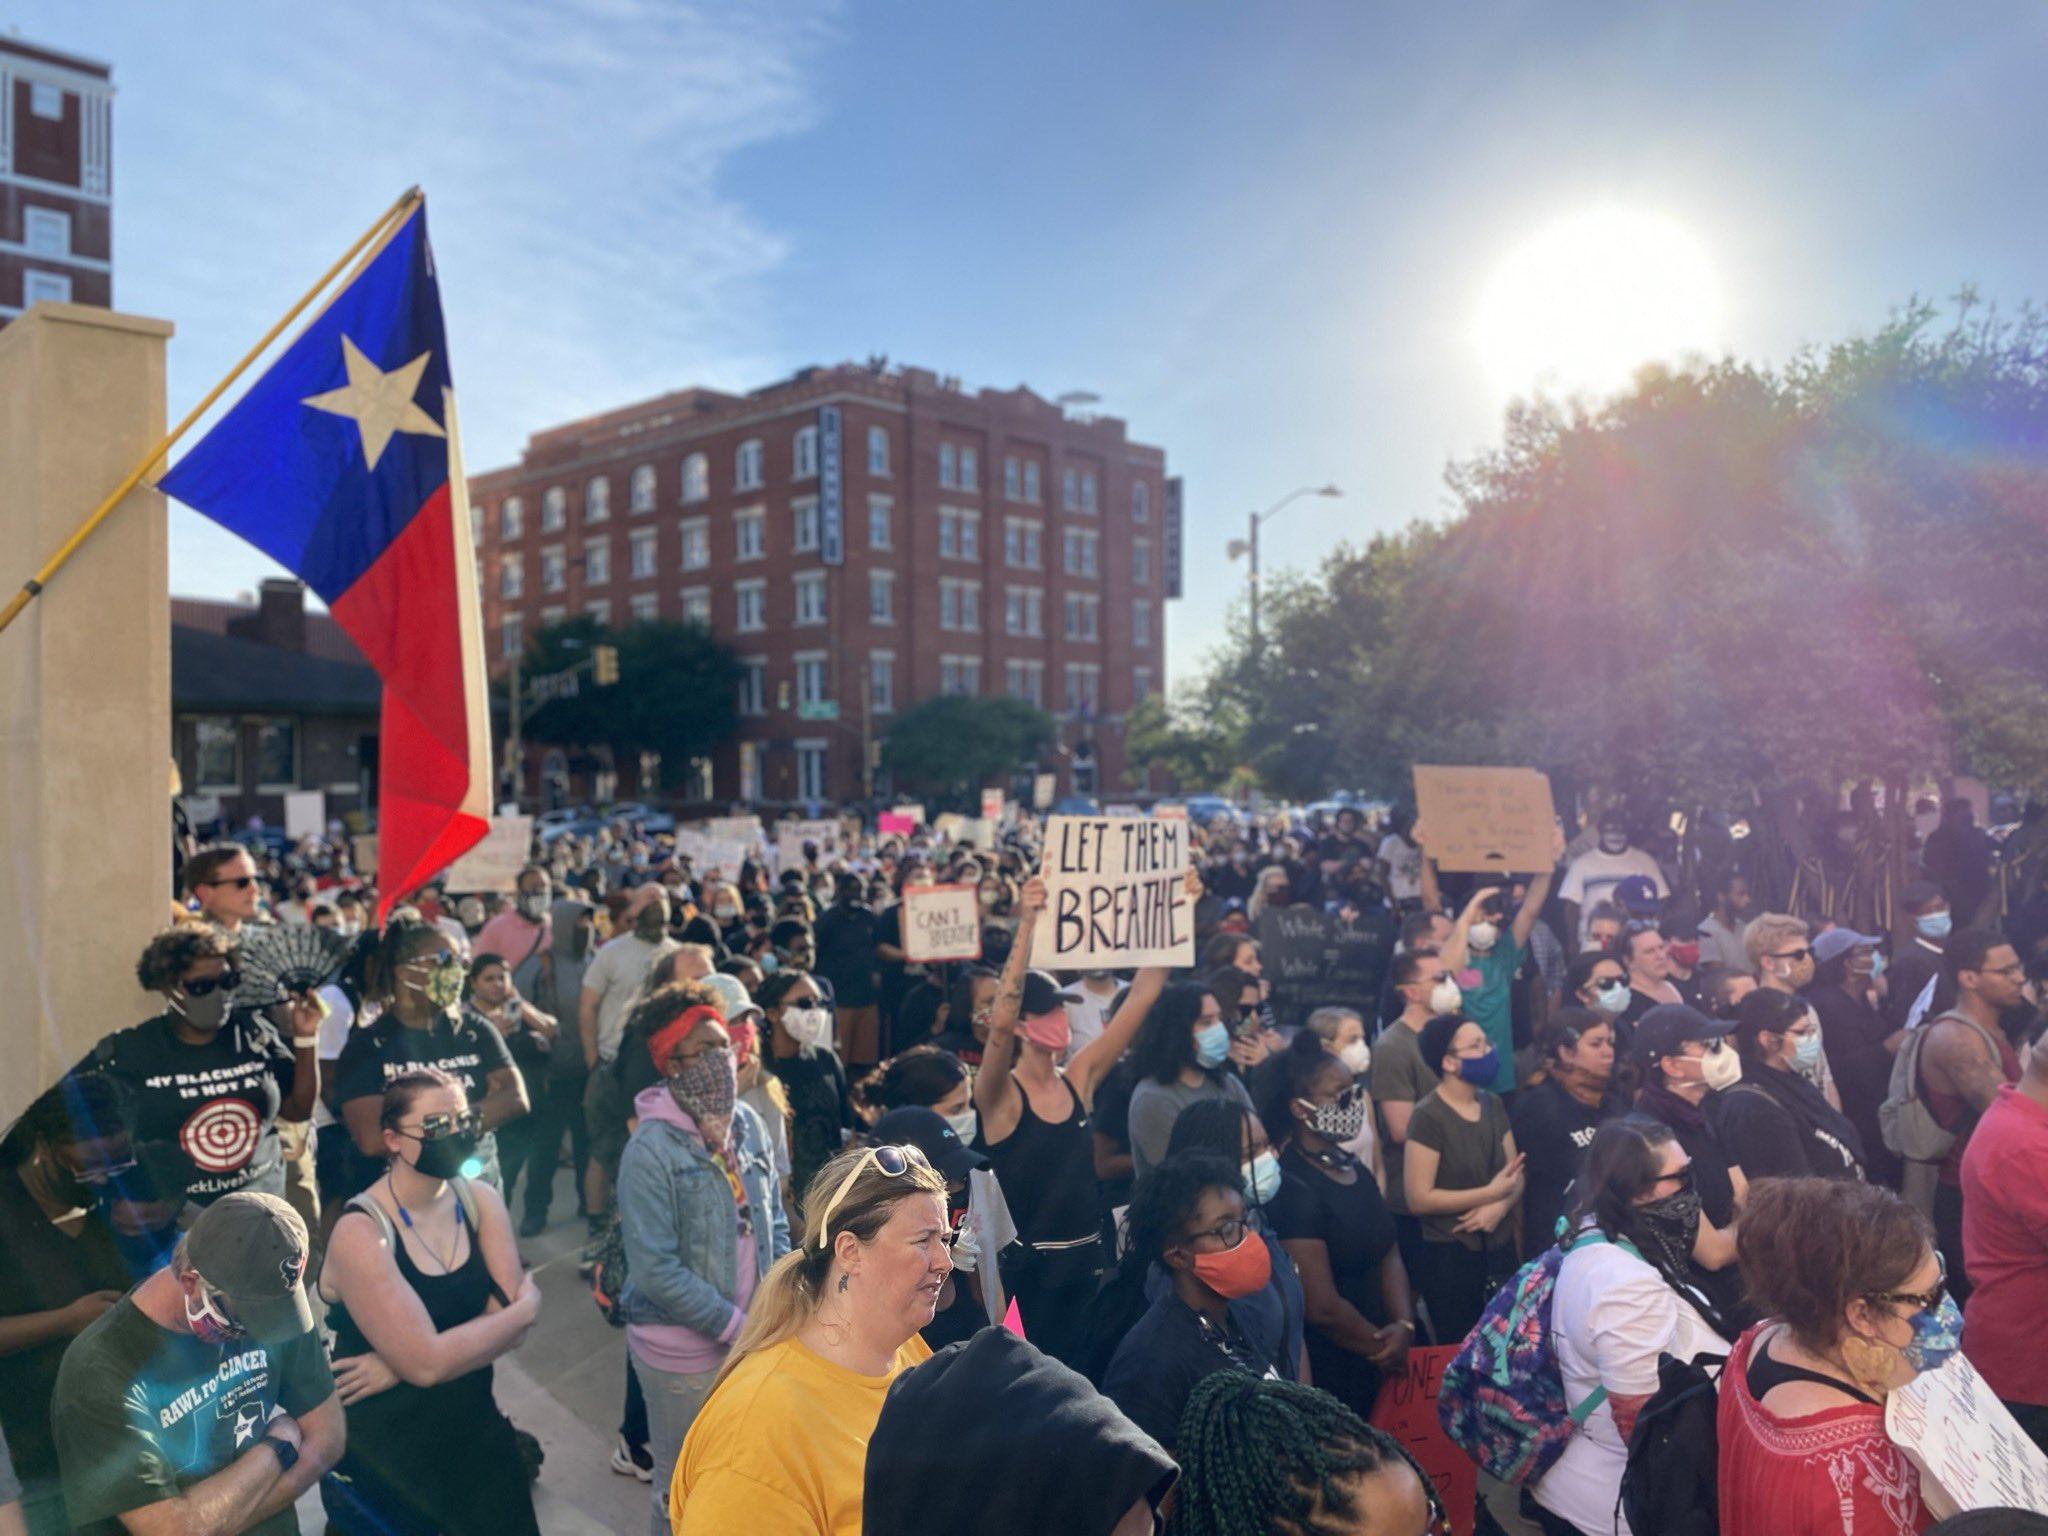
point(1115, 894)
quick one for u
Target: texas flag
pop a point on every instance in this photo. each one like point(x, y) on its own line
point(342, 464)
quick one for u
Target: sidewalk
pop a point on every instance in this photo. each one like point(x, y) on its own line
point(565, 1385)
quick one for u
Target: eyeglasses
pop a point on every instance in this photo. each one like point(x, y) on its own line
point(894, 1162)
point(1230, 1232)
point(1795, 954)
point(1683, 1178)
point(240, 882)
point(1921, 1301)
point(206, 986)
point(97, 1175)
point(437, 1126)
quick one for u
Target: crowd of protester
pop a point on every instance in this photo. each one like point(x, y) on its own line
point(1093, 1252)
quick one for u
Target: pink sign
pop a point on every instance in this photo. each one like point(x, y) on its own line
point(894, 825)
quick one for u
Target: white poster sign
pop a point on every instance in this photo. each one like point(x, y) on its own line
point(1116, 894)
point(1043, 790)
point(1971, 1452)
point(734, 829)
point(707, 853)
point(791, 836)
point(494, 863)
point(305, 813)
point(942, 922)
point(991, 805)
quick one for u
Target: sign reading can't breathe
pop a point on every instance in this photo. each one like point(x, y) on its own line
point(1116, 894)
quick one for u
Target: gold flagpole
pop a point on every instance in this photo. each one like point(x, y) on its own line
point(134, 477)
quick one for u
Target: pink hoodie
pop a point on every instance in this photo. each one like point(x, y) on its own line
point(671, 1346)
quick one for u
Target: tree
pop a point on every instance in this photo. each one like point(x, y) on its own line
point(1192, 741)
point(677, 694)
point(951, 744)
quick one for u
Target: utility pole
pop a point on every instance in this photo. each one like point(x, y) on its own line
point(1249, 546)
point(1252, 544)
point(514, 747)
point(867, 729)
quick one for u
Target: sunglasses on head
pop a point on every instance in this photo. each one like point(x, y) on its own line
point(206, 986)
point(893, 1161)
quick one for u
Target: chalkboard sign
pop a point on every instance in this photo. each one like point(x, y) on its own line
point(1315, 960)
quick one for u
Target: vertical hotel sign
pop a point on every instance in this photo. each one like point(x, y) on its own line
point(1172, 550)
point(831, 488)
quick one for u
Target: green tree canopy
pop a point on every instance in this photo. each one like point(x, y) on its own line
point(952, 744)
point(677, 693)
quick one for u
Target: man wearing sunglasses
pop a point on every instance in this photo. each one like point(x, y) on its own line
point(201, 1402)
point(1780, 950)
point(222, 878)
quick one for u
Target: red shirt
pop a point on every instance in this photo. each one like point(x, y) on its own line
point(1834, 1473)
point(2005, 1245)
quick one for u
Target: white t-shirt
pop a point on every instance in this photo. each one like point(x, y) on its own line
point(615, 975)
point(334, 1032)
point(1404, 867)
point(1611, 1316)
point(1591, 878)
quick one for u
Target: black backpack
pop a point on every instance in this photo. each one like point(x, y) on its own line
point(1670, 1485)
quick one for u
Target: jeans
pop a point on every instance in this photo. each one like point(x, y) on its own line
point(673, 1401)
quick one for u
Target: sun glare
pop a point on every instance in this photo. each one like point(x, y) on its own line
point(1581, 304)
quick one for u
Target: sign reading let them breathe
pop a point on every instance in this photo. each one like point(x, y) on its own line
point(942, 922)
point(1494, 820)
point(1116, 894)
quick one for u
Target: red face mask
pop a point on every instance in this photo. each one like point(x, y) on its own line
point(1054, 1031)
point(1236, 1271)
point(1687, 955)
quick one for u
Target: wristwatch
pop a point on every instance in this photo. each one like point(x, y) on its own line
point(287, 1453)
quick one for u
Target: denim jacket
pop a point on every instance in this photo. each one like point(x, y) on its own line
point(681, 1228)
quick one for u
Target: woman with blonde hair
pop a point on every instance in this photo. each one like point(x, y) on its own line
point(781, 1446)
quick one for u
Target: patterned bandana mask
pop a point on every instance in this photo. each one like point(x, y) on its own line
point(705, 1087)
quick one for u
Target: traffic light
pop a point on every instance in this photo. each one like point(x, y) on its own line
point(605, 665)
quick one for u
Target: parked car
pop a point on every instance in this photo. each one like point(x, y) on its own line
point(560, 815)
point(1207, 810)
point(649, 819)
point(1076, 805)
point(582, 826)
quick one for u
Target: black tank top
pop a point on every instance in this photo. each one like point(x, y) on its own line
point(450, 1300)
point(1047, 1171)
point(1767, 1374)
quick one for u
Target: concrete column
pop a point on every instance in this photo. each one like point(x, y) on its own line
point(85, 689)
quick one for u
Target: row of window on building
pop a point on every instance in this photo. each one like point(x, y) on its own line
point(959, 539)
point(959, 609)
point(958, 676)
point(958, 471)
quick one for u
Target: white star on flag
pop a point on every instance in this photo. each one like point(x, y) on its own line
point(379, 403)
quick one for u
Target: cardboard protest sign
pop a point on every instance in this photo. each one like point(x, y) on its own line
point(734, 829)
point(1044, 788)
point(942, 922)
point(1493, 820)
point(1169, 810)
point(1116, 895)
point(914, 812)
point(494, 863)
point(895, 824)
point(1314, 959)
point(1406, 1410)
point(791, 837)
point(991, 805)
point(305, 813)
point(363, 853)
point(707, 853)
point(972, 831)
point(1971, 1452)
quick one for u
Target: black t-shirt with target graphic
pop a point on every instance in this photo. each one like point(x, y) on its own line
point(203, 1117)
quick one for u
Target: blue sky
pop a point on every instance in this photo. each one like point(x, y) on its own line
point(1258, 231)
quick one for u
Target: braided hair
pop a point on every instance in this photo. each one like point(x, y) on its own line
point(1267, 1456)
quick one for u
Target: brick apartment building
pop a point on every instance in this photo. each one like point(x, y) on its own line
point(56, 178)
point(865, 538)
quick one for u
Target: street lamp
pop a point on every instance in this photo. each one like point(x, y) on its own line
point(1250, 546)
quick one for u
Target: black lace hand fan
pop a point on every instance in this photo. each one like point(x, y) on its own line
point(281, 960)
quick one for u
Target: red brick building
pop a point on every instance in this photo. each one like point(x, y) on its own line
point(56, 178)
point(864, 538)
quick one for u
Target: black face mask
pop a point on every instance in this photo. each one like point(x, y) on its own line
point(442, 1157)
point(1669, 1227)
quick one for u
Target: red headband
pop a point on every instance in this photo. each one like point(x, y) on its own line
point(672, 1034)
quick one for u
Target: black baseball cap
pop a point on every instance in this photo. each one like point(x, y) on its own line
point(927, 1130)
point(252, 1249)
point(1664, 1030)
point(1041, 996)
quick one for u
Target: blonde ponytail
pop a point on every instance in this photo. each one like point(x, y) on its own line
point(789, 1293)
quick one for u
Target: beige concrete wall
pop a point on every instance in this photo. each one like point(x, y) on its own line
point(85, 689)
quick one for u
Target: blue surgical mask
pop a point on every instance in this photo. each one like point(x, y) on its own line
point(1212, 1044)
point(1937, 1336)
point(1935, 925)
point(1612, 999)
point(1876, 966)
point(1479, 1071)
point(768, 963)
point(1262, 1178)
point(1806, 1049)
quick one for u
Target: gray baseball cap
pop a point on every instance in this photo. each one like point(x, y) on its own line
point(252, 1249)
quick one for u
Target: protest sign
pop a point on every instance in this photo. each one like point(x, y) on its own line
point(1406, 1410)
point(914, 812)
point(1122, 808)
point(1043, 789)
point(1169, 810)
point(363, 853)
point(1314, 959)
point(791, 836)
point(494, 863)
point(895, 824)
point(1494, 820)
point(734, 829)
point(305, 813)
point(991, 805)
point(942, 922)
point(707, 853)
point(1116, 895)
point(967, 831)
point(1971, 1452)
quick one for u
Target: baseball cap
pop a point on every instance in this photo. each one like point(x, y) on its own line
point(1837, 942)
point(1637, 894)
point(1041, 996)
point(927, 1130)
point(1664, 1029)
point(732, 996)
point(252, 1249)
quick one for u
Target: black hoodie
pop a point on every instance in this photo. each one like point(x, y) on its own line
point(1011, 1441)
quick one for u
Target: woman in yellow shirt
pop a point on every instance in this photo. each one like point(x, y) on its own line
point(780, 1447)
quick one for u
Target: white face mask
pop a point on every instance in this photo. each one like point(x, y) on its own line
point(1356, 1056)
point(1445, 997)
point(1482, 937)
point(965, 1124)
point(809, 1026)
point(1721, 1068)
